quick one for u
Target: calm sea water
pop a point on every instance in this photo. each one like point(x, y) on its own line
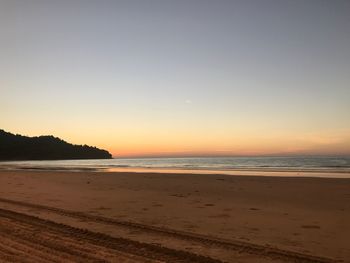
point(267, 164)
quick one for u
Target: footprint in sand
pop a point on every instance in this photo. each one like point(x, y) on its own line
point(102, 208)
point(178, 195)
point(220, 216)
point(254, 229)
point(311, 226)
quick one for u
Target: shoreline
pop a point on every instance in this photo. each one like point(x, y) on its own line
point(254, 172)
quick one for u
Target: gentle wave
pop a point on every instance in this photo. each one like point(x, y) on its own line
point(264, 164)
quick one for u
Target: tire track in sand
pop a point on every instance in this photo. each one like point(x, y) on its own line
point(240, 246)
point(16, 227)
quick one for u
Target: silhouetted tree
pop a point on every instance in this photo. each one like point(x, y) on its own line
point(18, 147)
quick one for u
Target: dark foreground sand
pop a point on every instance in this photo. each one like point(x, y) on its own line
point(228, 218)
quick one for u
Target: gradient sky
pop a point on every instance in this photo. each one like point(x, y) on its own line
point(147, 78)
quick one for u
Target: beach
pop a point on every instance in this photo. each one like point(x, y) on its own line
point(210, 217)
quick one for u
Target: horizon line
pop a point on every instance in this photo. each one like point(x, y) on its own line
point(234, 156)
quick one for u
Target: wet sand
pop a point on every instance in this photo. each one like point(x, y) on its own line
point(260, 218)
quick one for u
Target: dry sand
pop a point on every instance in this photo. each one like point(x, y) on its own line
point(229, 218)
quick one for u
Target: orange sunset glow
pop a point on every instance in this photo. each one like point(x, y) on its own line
point(164, 89)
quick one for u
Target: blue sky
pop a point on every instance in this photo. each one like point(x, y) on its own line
point(198, 77)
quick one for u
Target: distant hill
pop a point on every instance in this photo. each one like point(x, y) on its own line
point(18, 147)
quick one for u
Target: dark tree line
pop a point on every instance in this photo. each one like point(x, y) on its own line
point(18, 147)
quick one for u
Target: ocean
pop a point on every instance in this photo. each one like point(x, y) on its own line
point(295, 166)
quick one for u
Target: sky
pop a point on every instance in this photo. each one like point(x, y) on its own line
point(179, 78)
